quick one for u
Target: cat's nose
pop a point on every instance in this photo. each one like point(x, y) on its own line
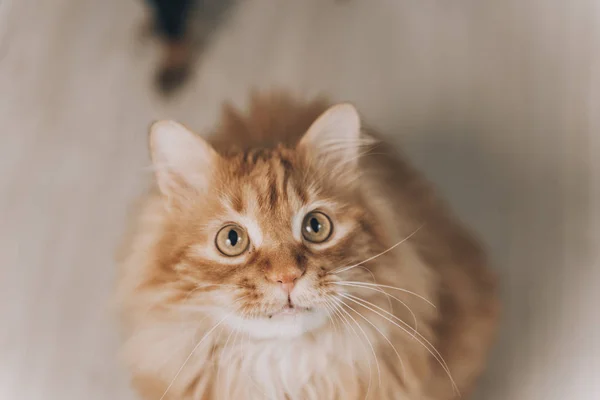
point(287, 286)
point(286, 279)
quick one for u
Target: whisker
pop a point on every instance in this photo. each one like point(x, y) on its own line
point(183, 329)
point(192, 352)
point(388, 296)
point(238, 331)
point(204, 286)
point(404, 327)
point(206, 335)
point(385, 337)
point(356, 283)
point(187, 297)
point(231, 350)
point(179, 308)
point(433, 351)
point(341, 316)
point(330, 315)
point(375, 282)
point(369, 271)
point(348, 324)
point(224, 350)
point(368, 341)
point(339, 270)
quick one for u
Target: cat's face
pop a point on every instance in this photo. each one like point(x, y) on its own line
point(257, 238)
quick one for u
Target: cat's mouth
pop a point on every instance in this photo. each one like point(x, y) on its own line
point(290, 310)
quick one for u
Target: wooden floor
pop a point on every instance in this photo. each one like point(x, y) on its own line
point(497, 101)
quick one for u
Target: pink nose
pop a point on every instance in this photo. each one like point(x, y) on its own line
point(286, 279)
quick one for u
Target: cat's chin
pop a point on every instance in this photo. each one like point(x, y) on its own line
point(284, 323)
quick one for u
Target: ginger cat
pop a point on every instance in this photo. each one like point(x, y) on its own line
point(297, 256)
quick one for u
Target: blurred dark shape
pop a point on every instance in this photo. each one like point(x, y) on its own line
point(177, 23)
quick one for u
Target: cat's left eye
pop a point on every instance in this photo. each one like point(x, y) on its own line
point(232, 240)
point(316, 227)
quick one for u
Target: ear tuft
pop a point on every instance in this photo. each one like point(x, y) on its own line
point(182, 160)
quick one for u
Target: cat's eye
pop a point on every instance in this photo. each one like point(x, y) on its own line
point(316, 227)
point(232, 240)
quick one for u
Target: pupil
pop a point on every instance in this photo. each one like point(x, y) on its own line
point(233, 237)
point(315, 225)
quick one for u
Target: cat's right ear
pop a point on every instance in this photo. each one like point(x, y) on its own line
point(334, 141)
point(182, 160)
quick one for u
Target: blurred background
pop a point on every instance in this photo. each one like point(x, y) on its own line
point(497, 101)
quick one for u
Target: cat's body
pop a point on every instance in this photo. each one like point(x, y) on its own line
point(204, 326)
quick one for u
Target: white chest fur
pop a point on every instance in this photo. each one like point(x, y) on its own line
point(319, 365)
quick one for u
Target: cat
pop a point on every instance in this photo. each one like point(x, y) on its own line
point(295, 255)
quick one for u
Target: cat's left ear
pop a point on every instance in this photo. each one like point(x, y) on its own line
point(334, 139)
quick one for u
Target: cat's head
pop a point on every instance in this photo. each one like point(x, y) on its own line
point(260, 237)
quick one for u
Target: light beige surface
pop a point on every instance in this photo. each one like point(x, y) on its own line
point(496, 100)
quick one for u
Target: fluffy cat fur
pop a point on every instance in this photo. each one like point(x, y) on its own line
point(396, 304)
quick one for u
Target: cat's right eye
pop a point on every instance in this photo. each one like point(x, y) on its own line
point(232, 240)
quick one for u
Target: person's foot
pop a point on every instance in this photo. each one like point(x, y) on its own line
point(175, 67)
